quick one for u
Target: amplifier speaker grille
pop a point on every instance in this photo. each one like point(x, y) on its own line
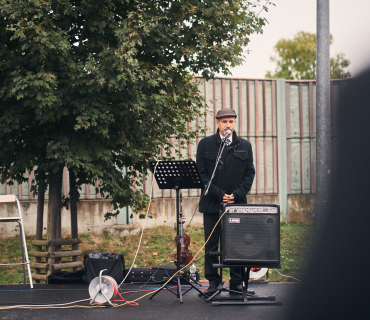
point(251, 238)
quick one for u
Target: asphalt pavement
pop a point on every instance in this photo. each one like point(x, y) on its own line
point(165, 305)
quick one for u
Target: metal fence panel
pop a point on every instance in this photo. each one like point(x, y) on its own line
point(255, 103)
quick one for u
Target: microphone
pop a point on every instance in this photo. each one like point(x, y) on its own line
point(227, 134)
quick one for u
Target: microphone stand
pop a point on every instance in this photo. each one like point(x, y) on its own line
point(218, 158)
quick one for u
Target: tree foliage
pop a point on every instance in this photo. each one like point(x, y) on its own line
point(338, 64)
point(101, 85)
point(296, 59)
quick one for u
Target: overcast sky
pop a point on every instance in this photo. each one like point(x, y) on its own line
point(349, 25)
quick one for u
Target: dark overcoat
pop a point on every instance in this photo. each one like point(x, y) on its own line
point(236, 175)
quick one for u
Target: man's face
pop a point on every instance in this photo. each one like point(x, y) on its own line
point(224, 124)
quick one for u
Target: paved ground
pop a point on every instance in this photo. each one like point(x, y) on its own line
point(164, 305)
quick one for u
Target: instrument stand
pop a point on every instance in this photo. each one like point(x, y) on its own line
point(187, 280)
point(178, 174)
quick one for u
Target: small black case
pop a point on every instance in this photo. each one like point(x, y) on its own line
point(96, 261)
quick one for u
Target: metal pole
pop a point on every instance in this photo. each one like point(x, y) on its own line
point(323, 165)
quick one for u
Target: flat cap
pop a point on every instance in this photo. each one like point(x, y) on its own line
point(226, 113)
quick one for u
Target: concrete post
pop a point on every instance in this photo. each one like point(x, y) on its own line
point(282, 150)
point(323, 164)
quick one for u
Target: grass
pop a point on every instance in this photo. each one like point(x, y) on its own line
point(295, 243)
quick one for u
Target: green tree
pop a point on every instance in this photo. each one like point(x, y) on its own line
point(337, 66)
point(296, 59)
point(101, 85)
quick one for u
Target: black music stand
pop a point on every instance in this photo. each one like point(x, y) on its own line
point(177, 174)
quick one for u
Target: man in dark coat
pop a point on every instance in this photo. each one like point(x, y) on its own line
point(230, 186)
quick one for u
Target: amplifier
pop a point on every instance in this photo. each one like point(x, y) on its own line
point(251, 235)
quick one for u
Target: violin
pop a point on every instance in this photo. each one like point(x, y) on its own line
point(185, 255)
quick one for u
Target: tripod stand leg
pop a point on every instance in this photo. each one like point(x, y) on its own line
point(179, 292)
point(192, 286)
point(152, 296)
point(210, 298)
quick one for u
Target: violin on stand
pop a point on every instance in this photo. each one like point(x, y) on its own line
point(186, 256)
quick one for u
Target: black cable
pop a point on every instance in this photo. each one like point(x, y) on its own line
point(206, 253)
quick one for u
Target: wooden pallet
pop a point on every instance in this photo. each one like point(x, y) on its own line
point(50, 260)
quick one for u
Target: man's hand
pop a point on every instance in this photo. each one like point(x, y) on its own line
point(228, 198)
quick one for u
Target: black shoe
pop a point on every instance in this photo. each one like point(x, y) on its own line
point(213, 285)
point(237, 287)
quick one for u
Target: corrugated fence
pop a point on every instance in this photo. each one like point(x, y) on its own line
point(277, 116)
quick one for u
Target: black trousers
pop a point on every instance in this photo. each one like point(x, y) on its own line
point(211, 274)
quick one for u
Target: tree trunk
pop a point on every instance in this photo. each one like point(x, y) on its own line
point(73, 208)
point(54, 227)
point(39, 224)
point(55, 207)
point(40, 213)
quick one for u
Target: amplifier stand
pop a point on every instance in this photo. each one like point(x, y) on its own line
point(245, 298)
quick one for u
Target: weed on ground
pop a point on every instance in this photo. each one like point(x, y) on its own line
point(295, 243)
